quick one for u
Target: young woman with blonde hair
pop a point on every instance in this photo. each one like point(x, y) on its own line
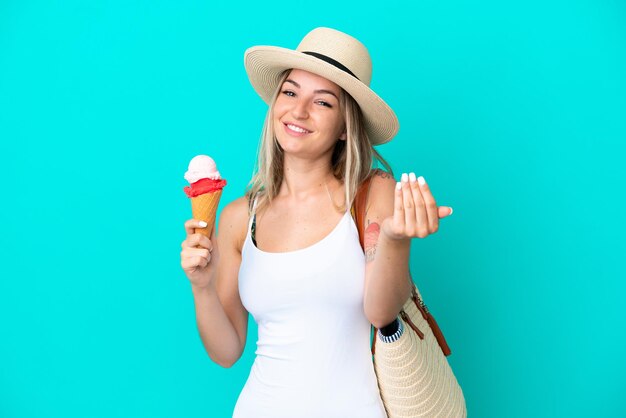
point(288, 251)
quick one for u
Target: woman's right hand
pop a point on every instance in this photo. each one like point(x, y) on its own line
point(198, 256)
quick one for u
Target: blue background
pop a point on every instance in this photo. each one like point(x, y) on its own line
point(514, 112)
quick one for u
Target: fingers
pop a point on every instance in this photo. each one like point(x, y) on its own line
point(194, 239)
point(188, 263)
point(431, 212)
point(415, 209)
point(420, 228)
point(198, 241)
point(197, 252)
point(444, 211)
point(192, 224)
point(409, 205)
point(194, 257)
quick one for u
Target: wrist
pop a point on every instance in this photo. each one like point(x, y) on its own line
point(387, 235)
point(391, 332)
point(395, 241)
point(202, 290)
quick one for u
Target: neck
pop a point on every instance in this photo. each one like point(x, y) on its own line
point(304, 178)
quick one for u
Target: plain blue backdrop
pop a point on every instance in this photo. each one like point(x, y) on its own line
point(514, 112)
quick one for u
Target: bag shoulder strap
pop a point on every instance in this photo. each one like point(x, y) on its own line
point(358, 207)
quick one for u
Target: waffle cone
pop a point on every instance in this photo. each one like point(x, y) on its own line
point(204, 208)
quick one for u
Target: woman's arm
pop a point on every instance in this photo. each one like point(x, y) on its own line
point(221, 318)
point(393, 218)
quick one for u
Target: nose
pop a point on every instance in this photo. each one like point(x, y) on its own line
point(299, 109)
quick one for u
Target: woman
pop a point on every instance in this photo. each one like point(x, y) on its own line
point(288, 251)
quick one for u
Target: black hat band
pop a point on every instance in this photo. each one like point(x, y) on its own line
point(331, 62)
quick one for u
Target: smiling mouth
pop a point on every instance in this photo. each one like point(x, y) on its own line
point(296, 128)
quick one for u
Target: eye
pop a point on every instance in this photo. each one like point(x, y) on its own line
point(289, 93)
point(323, 103)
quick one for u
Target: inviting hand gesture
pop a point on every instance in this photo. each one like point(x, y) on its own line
point(415, 212)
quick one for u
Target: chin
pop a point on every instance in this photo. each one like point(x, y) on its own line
point(289, 148)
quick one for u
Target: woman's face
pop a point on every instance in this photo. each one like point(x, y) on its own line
point(307, 118)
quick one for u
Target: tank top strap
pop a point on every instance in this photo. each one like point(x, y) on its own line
point(252, 220)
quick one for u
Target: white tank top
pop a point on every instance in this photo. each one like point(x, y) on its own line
point(313, 355)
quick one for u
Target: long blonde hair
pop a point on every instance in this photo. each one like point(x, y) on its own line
point(352, 160)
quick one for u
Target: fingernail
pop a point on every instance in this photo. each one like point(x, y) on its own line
point(203, 224)
point(450, 211)
point(398, 186)
point(405, 178)
point(412, 177)
point(421, 180)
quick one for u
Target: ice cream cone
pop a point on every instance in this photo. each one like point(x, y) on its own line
point(204, 190)
point(204, 207)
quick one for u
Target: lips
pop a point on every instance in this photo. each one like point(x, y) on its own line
point(296, 128)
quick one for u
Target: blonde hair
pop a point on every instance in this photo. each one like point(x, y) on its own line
point(352, 160)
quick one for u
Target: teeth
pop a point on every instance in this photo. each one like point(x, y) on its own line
point(295, 128)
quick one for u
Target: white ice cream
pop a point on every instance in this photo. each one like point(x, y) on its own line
point(202, 167)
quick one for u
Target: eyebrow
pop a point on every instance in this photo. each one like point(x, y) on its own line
point(316, 91)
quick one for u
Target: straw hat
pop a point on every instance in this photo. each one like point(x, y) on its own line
point(335, 56)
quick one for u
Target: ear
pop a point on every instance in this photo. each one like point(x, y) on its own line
point(343, 136)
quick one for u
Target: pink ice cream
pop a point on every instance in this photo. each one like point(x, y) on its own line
point(202, 176)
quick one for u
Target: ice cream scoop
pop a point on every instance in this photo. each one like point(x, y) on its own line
point(202, 167)
point(204, 190)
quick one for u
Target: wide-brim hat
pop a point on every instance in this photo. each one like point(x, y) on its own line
point(335, 56)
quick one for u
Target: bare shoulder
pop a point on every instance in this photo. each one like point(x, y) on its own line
point(233, 221)
point(379, 175)
point(236, 209)
point(380, 196)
